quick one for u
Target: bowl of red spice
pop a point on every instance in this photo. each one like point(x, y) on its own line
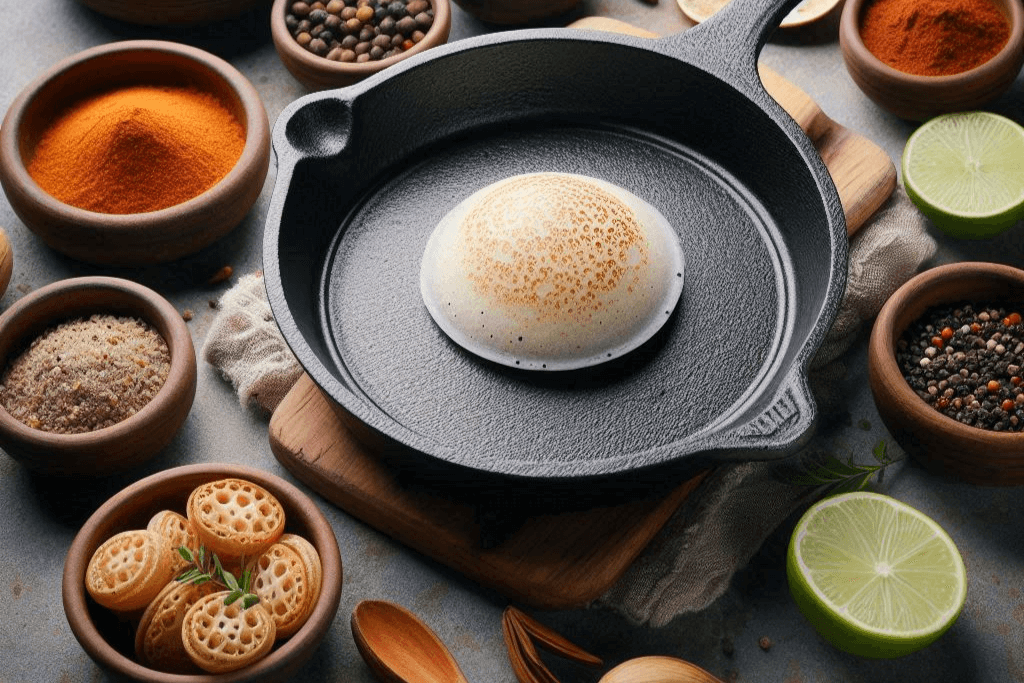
point(135, 152)
point(946, 369)
point(921, 58)
point(337, 43)
point(97, 375)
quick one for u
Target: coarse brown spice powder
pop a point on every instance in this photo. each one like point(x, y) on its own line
point(86, 374)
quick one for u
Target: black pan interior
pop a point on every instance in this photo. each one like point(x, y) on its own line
point(378, 172)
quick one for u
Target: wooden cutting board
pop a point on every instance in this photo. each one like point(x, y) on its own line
point(551, 561)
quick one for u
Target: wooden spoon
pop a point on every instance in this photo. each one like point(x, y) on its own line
point(399, 648)
point(658, 670)
point(6, 261)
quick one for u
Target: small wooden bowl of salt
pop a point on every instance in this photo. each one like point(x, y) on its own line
point(97, 375)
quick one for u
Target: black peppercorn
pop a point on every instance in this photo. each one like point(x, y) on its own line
point(359, 30)
point(424, 20)
point(318, 47)
point(406, 25)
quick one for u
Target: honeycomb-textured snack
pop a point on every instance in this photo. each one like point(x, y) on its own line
point(235, 518)
point(177, 531)
point(314, 568)
point(220, 638)
point(158, 642)
point(128, 570)
point(279, 579)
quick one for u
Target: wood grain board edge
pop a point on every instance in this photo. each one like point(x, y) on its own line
point(559, 561)
point(862, 171)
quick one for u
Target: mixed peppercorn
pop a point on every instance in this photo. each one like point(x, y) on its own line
point(359, 30)
point(967, 361)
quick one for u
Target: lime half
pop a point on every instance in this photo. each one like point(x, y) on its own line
point(874, 576)
point(965, 171)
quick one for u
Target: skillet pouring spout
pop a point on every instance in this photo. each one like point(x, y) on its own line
point(365, 174)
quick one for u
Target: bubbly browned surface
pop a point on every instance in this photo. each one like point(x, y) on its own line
point(158, 642)
point(128, 570)
point(280, 580)
point(552, 244)
point(86, 374)
point(177, 531)
point(221, 638)
point(235, 518)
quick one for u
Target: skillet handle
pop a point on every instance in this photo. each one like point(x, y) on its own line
point(787, 423)
point(729, 43)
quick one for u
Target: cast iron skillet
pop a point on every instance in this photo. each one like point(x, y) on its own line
point(365, 172)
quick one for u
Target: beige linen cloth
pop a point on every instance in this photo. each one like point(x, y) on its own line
point(690, 563)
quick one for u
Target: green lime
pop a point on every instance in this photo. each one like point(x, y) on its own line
point(874, 576)
point(965, 171)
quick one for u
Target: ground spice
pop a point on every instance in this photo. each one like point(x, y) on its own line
point(934, 37)
point(86, 374)
point(137, 149)
point(967, 362)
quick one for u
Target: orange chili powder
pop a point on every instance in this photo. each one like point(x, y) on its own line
point(137, 149)
point(934, 37)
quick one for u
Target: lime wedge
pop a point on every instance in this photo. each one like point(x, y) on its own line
point(874, 576)
point(965, 171)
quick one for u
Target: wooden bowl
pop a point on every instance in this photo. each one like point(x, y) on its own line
point(938, 442)
point(917, 98)
point(111, 643)
point(134, 439)
point(515, 11)
point(320, 73)
point(170, 12)
point(139, 238)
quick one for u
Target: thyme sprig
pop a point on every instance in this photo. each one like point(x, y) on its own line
point(206, 567)
point(841, 476)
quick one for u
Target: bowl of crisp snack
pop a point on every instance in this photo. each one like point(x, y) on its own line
point(918, 59)
point(201, 574)
point(135, 152)
point(946, 369)
point(97, 375)
point(340, 42)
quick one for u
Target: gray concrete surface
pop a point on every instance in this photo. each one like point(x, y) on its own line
point(38, 519)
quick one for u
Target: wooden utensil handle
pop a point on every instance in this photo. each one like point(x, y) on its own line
point(862, 171)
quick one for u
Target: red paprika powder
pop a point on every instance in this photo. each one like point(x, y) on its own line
point(934, 37)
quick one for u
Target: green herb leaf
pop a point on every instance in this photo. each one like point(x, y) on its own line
point(186, 554)
point(232, 596)
point(249, 600)
point(841, 476)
